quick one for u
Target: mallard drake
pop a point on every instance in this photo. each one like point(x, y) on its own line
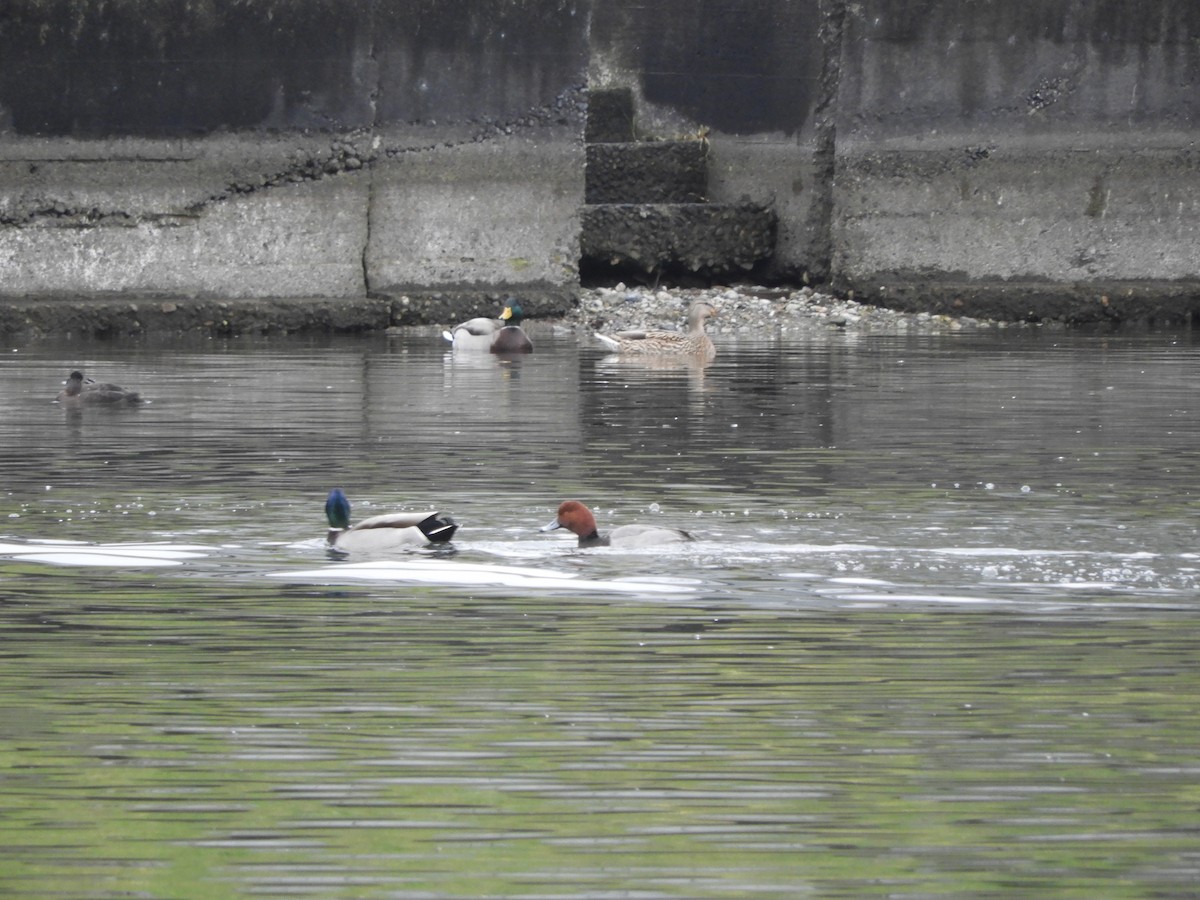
point(80, 391)
point(576, 517)
point(693, 342)
point(502, 335)
point(386, 532)
point(512, 337)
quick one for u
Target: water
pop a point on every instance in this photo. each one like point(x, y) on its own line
point(937, 635)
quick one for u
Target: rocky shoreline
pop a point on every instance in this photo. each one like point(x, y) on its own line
point(759, 312)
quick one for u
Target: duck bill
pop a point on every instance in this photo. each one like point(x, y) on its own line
point(551, 526)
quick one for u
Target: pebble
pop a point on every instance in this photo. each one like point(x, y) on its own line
point(760, 312)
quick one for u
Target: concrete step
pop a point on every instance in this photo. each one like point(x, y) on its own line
point(609, 116)
point(647, 172)
point(703, 239)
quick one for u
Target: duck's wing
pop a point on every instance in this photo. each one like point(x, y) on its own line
point(474, 334)
point(480, 327)
point(435, 526)
point(108, 393)
point(394, 520)
point(641, 535)
point(642, 342)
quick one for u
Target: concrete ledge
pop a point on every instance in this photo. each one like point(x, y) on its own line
point(1082, 303)
point(125, 317)
point(1110, 304)
point(448, 306)
point(115, 317)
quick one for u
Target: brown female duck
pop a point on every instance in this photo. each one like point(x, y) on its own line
point(693, 342)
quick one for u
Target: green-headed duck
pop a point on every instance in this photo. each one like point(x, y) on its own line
point(382, 533)
point(693, 342)
point(576, 517)
point(502, 335)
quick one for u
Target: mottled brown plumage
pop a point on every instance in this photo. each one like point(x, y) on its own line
point(693, 342)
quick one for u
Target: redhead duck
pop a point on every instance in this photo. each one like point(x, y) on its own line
point(502, 335)
point(80, 391)
point(382, 533)
point(576, 517)
point(693, 342)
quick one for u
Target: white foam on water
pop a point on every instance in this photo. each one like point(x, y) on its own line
point(450, 573)
point(77, 553)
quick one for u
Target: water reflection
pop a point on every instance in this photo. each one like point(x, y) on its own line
point(937, 634)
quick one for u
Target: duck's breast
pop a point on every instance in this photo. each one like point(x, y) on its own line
point(511, 340)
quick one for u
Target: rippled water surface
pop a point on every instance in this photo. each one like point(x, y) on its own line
point(937, 635)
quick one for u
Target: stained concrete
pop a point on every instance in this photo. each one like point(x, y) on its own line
point(251, 151)
point(1036, 157)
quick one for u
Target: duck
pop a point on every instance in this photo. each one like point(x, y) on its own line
point(502, 335)
point(693, 342)
point(80, 391)
point(576, 517)
point(386, 532)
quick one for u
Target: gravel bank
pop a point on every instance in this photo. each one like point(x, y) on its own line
point(756, 311)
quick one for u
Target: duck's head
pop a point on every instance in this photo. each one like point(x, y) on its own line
point(575, 517)
point(337, 509)
point(74, 384)
point(700, 311)
point(513, 314)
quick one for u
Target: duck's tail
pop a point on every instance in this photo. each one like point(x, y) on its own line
point(438, 529)
point(611, 342)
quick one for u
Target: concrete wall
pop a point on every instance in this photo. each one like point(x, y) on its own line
point(986, 147)
point(977, 155)
point(314, 148)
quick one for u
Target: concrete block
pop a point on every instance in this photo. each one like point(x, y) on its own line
point(702, 239)
point(1034, 211)
point(647, 172)
point(610, 115)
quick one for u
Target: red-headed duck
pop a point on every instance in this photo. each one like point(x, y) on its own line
point(576, 517)
point(382, 533)
point(693, 342)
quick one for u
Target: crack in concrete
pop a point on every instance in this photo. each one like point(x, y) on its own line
point(350, 154)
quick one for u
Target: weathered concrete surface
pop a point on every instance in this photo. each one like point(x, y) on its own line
point(984, 147)
point(115, 317)
point(647, 172)
point(106, 316)
point(942, 152)
point(150, 216)
point(756, 77)
point(248, 150)
point(703, 239)
point(472, 214)
point(1110, 303)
